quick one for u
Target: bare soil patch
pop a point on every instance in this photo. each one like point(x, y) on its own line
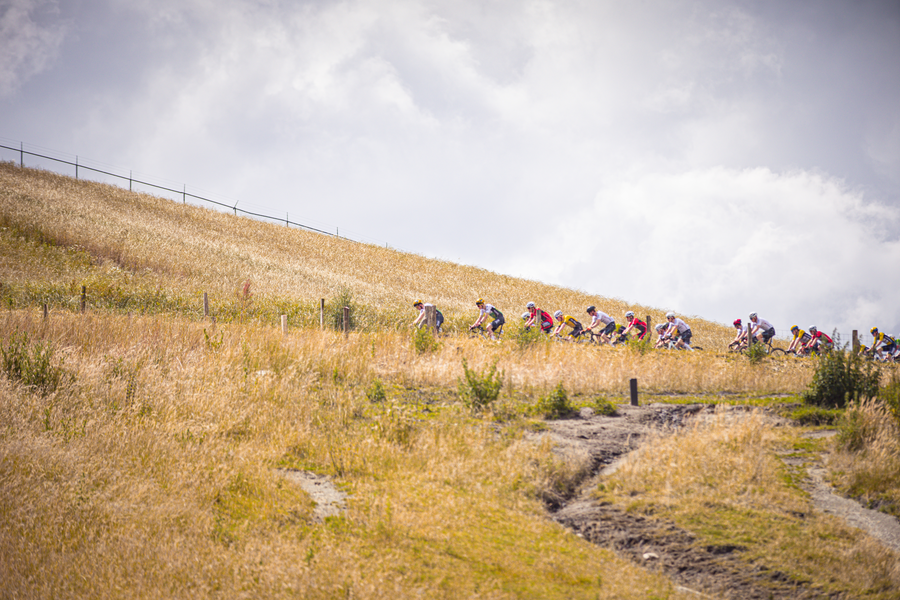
point(716, 571)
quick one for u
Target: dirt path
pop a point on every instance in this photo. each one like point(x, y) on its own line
point(717, 571)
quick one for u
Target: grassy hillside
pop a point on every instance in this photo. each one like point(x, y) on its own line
point(162, 252)
point(143, 448)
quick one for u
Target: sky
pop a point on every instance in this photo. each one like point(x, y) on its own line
point(710, 157)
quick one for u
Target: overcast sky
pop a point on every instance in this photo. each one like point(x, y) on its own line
point(710, 157)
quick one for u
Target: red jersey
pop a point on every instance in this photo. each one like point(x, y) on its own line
point(640, 326)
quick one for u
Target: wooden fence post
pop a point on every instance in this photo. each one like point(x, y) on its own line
point(322, 314)
point(855, 341)
point(205, 305)
point(46, 311)
point(634, 393)
point(648, 336)
point(431, 318)
point(83, 298)
point(284, 324)
point(346, 321)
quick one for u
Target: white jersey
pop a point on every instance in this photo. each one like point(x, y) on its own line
point(763, 324)
point(679, 325)
point(600, 317)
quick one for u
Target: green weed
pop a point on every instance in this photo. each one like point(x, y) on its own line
point(480, 390)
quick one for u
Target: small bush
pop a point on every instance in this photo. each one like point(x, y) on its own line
point(30, 364)
point(605, 407)
point(424, 341)
point(525, 338)
point(335, 309)
point(756, 352)
point(890, 395)
point(479, 390)
point(555, 404)
point(375, 392)
point(842, 377)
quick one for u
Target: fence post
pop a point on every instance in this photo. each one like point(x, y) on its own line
point(855, 341)
point(648, 336)
point(46, 311)
point(322, 314)
point(130, 176)
point(205, 305)
point(284, 324)
point(21, 155)
point(83, 298)
point(76, 167)
point(346, 321)
point(634, 394)
point(184, 194)
point(431, 318)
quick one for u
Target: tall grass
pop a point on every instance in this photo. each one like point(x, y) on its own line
point(154, 472)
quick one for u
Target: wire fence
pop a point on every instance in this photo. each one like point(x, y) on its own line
point(183, 193)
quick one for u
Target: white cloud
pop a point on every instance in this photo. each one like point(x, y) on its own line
point(27, 46)
point(795, 247)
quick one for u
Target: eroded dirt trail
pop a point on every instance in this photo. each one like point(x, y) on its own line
point(716, 571)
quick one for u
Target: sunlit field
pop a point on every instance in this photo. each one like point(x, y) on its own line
point(144, 444)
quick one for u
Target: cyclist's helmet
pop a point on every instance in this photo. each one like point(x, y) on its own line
point(525, 316)
point(417, 303)
point(530, 305)
point(670, 315)
point(753, 316)
point(873, 330)
point(795, 329)
point(661, 326)
point(737, 323)
point(812, 329)
point(558, 314)
point(479, 302)
point(591, 309)
point(629, 315)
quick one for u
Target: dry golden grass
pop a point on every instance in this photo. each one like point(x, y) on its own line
point(188, 250)
point(722, 479)
point(153, 472)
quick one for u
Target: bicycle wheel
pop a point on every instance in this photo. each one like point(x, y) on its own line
point(777, 352)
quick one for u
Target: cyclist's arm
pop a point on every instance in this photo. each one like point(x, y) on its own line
point(420, 318)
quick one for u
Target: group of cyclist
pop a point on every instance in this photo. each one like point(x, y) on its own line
point(804, 343)
point(674, 333)
point(603, 329)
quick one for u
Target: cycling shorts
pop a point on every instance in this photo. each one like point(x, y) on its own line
point(685, 336)
point(497, 323)
point(768, 335)
point(609, 329)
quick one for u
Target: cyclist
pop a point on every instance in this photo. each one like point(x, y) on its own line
point(818, 340)
point(756, 324)
point(534, 314)
point(662, 330)
point(438, 317)
point(604, 323)
point(634, 323)
point(679, 331)
point(801, 338)
point(739, 336)
point(496, 326)
point(882, 344)
point(577, 328)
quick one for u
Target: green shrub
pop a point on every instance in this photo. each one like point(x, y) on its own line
point(479, 390)
point(424, 341)
point(334, 309)
point(555, 404)
point(605, 407)
point(842, 377)
point(31, 364)
point(525, 338)
point(890, 395)
point(375, 392)
point(756, 352)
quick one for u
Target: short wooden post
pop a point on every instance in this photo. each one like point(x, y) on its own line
point(346, 321)
point(46, 311)
point(83, 298)
point(284, 324)
point(205, 305)
point(431, 318)
point(322, 314)
point(634, 395)
point(855, 341)
point(647, 336)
